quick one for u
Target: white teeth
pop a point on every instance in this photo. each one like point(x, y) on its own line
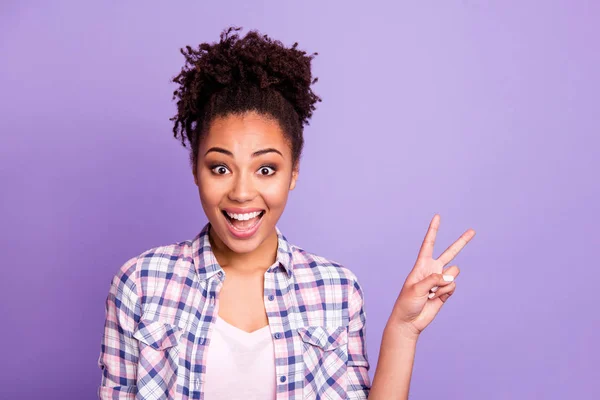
point(244, 217)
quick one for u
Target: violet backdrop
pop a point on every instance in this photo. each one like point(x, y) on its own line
point(486, 112)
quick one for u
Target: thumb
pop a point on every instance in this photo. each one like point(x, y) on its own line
point(424, 287)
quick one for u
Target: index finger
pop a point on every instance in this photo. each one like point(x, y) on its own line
point(426, 250)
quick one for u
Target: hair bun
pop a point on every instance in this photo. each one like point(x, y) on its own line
point(242, 74)
point(254, 60)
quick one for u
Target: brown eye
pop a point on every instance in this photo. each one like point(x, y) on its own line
point(220, 170)
point(266, 171)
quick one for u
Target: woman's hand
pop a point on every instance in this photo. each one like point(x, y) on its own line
point(425, 289)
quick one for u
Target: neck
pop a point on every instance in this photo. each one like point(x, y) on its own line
point(258, 260)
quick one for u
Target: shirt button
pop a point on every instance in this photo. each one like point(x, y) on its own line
point(277, 335)
point(271, 297)
point(282, 379)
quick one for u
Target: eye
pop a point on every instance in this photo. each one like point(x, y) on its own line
point(219, 170)
point(266, 170)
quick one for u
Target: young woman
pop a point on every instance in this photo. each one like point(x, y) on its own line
point(238, 312)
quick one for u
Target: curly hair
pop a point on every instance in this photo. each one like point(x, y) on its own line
point(234, 76)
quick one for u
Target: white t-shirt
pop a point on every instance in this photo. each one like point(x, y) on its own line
point(240, 365)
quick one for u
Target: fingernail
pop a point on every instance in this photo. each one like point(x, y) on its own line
point(433, 289)
point(448, 278)
point(431, 295)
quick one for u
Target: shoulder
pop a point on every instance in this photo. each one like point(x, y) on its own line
point(308, 265)
point(163, 262)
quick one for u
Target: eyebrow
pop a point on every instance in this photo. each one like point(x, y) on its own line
point(255, 154)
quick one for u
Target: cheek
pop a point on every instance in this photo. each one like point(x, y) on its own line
point(209, 189)
point(276, 192)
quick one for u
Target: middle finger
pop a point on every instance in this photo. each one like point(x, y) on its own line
point(451, 252)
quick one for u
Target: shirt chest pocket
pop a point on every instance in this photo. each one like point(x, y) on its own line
point(158, 359)
point(325, 356)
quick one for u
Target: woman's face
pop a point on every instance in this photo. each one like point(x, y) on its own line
point(244, 174)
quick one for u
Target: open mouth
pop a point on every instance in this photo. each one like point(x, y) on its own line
point(243, 222)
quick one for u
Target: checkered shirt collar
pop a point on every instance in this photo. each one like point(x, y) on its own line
point(206, 263)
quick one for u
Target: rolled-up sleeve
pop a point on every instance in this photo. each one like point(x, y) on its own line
point(359, 382)
point(119, 349)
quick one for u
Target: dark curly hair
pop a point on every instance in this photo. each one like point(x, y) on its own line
point(234, 76)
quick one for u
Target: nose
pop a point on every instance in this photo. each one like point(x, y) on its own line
point(243, 189)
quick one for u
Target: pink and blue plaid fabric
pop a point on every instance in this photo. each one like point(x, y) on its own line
point(162, 306)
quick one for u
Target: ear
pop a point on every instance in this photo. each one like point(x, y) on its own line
point(295, 173)
point(195, 177)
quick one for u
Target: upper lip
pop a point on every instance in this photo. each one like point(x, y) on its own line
point(234, 210)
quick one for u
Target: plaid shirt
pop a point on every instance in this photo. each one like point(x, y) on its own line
point(162, 306)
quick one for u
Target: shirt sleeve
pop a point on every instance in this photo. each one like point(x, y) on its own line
point(119, 349)
point(359, 382)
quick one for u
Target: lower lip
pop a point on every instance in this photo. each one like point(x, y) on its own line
point(245, 234)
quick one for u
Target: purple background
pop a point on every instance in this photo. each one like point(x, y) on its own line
point(483, 111)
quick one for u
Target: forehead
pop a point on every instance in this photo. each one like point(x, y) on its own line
point(240, 133)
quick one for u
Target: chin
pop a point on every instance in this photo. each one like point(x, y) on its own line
point(243, 246)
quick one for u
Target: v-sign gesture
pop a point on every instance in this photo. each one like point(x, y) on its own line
point(428, 285)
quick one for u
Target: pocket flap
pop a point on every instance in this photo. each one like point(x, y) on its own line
point(325, 337)
point(158, 334)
